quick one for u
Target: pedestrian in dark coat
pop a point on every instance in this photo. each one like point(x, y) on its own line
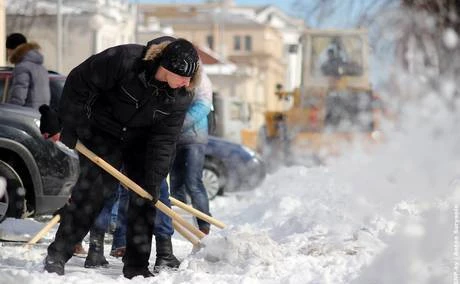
point(127, 104)
point(30, 84)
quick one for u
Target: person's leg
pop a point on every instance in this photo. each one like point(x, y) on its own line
point(119, 236)
point(163, 231)
point(95, 257)
point(176, 176)
point(141, 218)
point(194, 162)
point(87, 199)
point(103, 219)
point(163, 223)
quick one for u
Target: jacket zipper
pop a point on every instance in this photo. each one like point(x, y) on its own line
point(132, 97)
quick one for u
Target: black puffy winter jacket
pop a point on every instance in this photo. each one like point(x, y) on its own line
point(114, 91)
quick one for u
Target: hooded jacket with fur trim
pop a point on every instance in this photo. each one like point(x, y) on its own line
point(30, 84)
point(115, 92)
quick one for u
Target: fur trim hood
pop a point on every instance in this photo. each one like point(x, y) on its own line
point(154, 52)
point(20, 52)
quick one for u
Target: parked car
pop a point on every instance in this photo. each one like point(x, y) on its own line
point(47, 171)
point(231, 167)
point(39, 174)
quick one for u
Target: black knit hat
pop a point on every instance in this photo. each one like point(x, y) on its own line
point(13, 40)
point(180, 57)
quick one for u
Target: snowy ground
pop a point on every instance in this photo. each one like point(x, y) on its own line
point(293, 229)
point(386, 217)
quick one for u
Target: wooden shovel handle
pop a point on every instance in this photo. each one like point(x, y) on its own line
point(44, 230)
point(137, 189)
point(197, 213)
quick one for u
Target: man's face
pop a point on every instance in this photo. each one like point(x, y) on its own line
point(176, 81)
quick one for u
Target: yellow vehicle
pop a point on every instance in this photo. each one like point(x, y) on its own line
point(333, 106)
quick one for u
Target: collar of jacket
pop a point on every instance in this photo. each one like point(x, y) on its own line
point(21, 50)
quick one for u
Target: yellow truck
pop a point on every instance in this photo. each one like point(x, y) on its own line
point(333, 106)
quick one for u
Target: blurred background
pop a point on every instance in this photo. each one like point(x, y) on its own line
point(293, 80)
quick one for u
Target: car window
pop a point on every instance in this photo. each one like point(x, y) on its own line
point(2, 87)
point(3, 82)
point(56, 86)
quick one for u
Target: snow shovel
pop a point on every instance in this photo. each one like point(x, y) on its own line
point(128, 183)
point(45, 229)
point(197, 213)
point(179, 223)
point(137, 189)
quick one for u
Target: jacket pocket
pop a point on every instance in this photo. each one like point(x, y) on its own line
point(159, 115)
point(129, 98)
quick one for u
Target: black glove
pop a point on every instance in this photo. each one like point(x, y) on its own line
point(69, 137)
point(61, 211)
point(49, 121)
point(154, 191)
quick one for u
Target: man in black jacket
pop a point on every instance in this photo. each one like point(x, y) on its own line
point(127, 104)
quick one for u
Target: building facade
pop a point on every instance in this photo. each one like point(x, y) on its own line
point(260, 41)
point(86, 27)
point(2, 34)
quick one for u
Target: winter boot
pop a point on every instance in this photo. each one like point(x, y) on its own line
point(132, 271)
point(165, 256)
point(95, 256)
point(79, 251)
point(118, 252)
point(205, 230)
point(53, 265)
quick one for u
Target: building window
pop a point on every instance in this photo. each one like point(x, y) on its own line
point(248, 43)
point(210, 41)
point(236, 42)
point(292, 48)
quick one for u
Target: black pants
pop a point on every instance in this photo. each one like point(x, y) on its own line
point(94, 185)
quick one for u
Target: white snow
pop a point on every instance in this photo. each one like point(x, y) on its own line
point(380, 217)
point(19, 230)
point(450, 38)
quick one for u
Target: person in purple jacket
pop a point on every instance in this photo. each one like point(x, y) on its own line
point(30, 84)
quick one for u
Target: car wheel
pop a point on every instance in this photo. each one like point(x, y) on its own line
point(12, 203)
point(213, 179)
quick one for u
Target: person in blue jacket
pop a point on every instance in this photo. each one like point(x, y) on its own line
point(187, 169)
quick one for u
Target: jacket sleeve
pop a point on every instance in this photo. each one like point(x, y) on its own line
point(201, 105)
point(19, 86)
point(85, 83)
point(161, 146)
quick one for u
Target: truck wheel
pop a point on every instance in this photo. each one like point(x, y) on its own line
point(12, 202)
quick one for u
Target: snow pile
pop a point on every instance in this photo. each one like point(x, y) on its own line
point(19, 230)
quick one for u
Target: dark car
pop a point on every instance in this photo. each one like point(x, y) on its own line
point(231, 167)
point(39, 173)
point(51, 170)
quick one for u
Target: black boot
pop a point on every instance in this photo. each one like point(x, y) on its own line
point(165, 256)
point(131, 272)
point(53, 265)
point(96, 256)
